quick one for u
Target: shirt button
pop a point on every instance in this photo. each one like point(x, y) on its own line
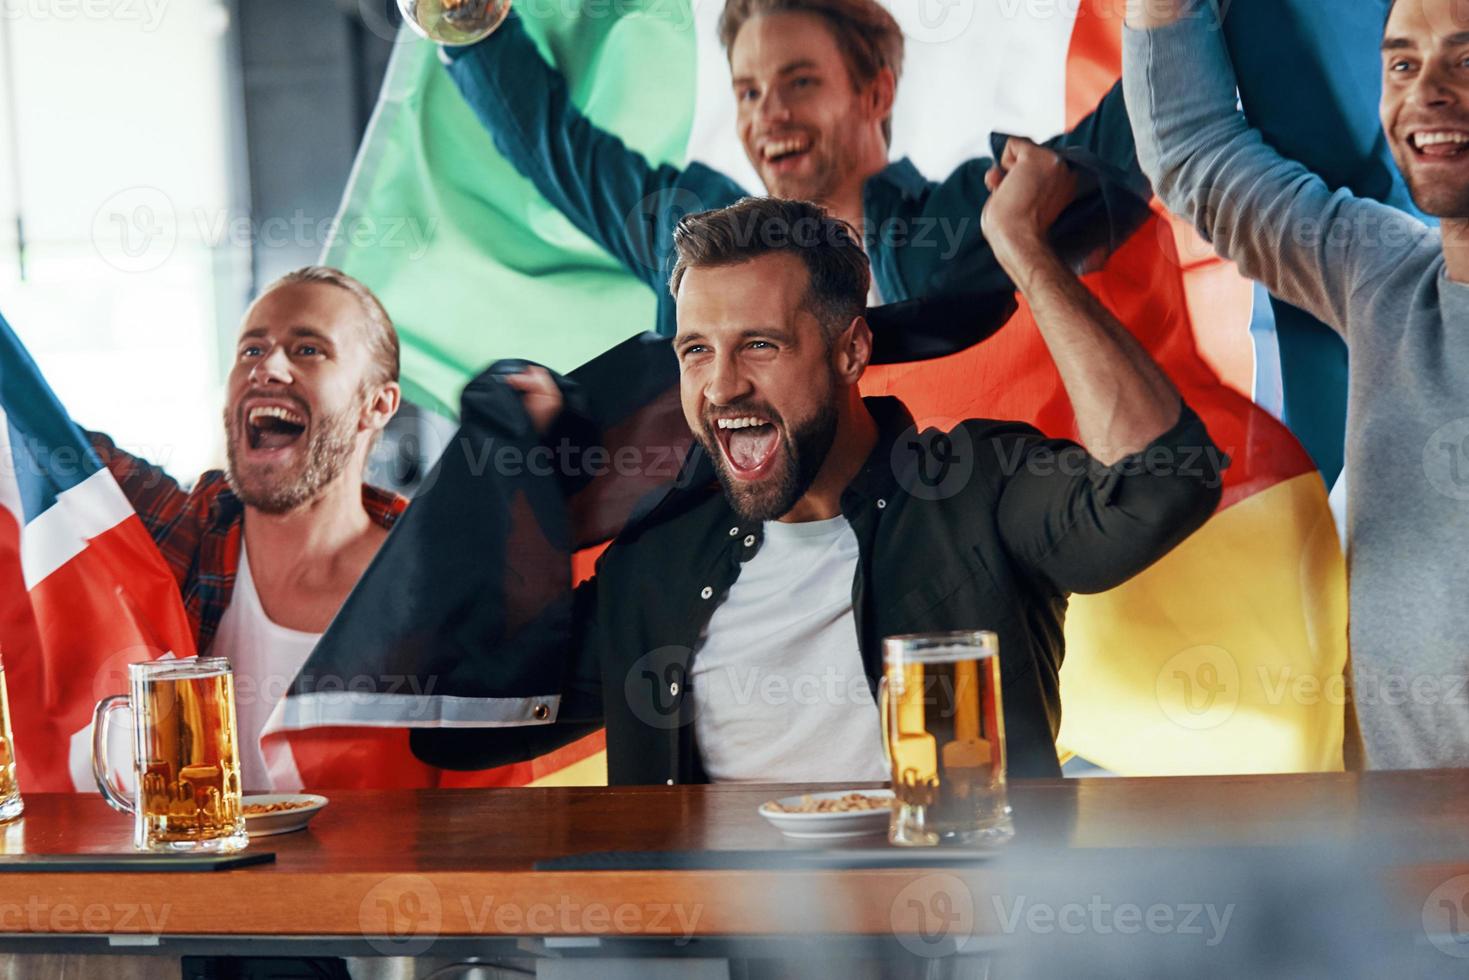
point(673, 689)
point(706, 593)
point(749, 541)
point(881, 504)
point(541, 712)
point(734, 532)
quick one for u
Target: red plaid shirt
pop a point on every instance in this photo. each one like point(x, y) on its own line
point(198, 530)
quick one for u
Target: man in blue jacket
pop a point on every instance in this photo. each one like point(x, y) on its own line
point(815, 82)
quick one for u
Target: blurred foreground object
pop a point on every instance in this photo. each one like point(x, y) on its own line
point(454, 22)
point(10, 802)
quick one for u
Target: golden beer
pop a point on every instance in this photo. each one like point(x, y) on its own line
point(454, 22)
point(944, 731)
point(10, 802)
point(185, 758)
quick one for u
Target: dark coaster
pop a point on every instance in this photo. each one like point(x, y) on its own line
point(47, 863)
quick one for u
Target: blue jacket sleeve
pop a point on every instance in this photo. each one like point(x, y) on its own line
point(605, 188)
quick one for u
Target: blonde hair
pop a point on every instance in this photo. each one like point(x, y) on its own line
point(381, 335)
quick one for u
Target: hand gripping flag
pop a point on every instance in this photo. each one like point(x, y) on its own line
point(83, 589)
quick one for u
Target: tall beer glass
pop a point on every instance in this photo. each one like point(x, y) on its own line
point(186, 762)
point(944, 732)
point(10, 802)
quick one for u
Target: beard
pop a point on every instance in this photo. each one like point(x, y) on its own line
point(802, 452)
point(1437, 199)
point(1433, 197)
point(831, 160)
point(816, 186)
point(330, 441)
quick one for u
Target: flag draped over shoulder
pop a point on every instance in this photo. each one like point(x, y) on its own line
point(83, 589)
point(1198, 664)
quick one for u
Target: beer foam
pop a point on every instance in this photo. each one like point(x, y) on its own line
point(947, 654)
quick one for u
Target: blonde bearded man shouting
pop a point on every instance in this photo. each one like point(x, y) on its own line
point(266, 551)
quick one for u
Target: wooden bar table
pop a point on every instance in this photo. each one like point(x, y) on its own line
point(452, 872)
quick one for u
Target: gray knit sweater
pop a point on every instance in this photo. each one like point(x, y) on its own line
point(1377, 275)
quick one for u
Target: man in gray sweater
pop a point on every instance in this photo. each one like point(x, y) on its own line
point(1397, 290)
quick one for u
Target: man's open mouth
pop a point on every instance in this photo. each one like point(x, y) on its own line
point(272, 427)
point(785, 152)
point(749, 443)
point(1439, 144)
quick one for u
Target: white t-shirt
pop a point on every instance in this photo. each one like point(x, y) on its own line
point(266, 658)
point(779, 690)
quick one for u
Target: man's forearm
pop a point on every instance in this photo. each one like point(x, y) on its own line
point(1147, 14)
point(1280, 223)
point(1123, 401)
point(154, 494)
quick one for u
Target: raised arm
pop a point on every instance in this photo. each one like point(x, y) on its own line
point(161, 504)
point(1278, 221)
point(606, 189)
point(1148, 475)
point(1144, 15)
point(1122, 399)
point(1084, 527)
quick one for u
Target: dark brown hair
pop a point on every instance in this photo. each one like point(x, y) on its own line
point(381, 336)
point(867, 35)
point(756, 226)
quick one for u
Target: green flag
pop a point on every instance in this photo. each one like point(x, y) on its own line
point(471, 262)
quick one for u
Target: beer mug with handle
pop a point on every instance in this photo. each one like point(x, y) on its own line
point(10, 802)
point(186, 762)
point(943, 729)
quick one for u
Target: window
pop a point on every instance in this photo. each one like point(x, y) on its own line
point(117, 267)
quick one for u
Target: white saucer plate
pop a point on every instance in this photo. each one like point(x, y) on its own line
point(282, 821)
point(830, 826)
